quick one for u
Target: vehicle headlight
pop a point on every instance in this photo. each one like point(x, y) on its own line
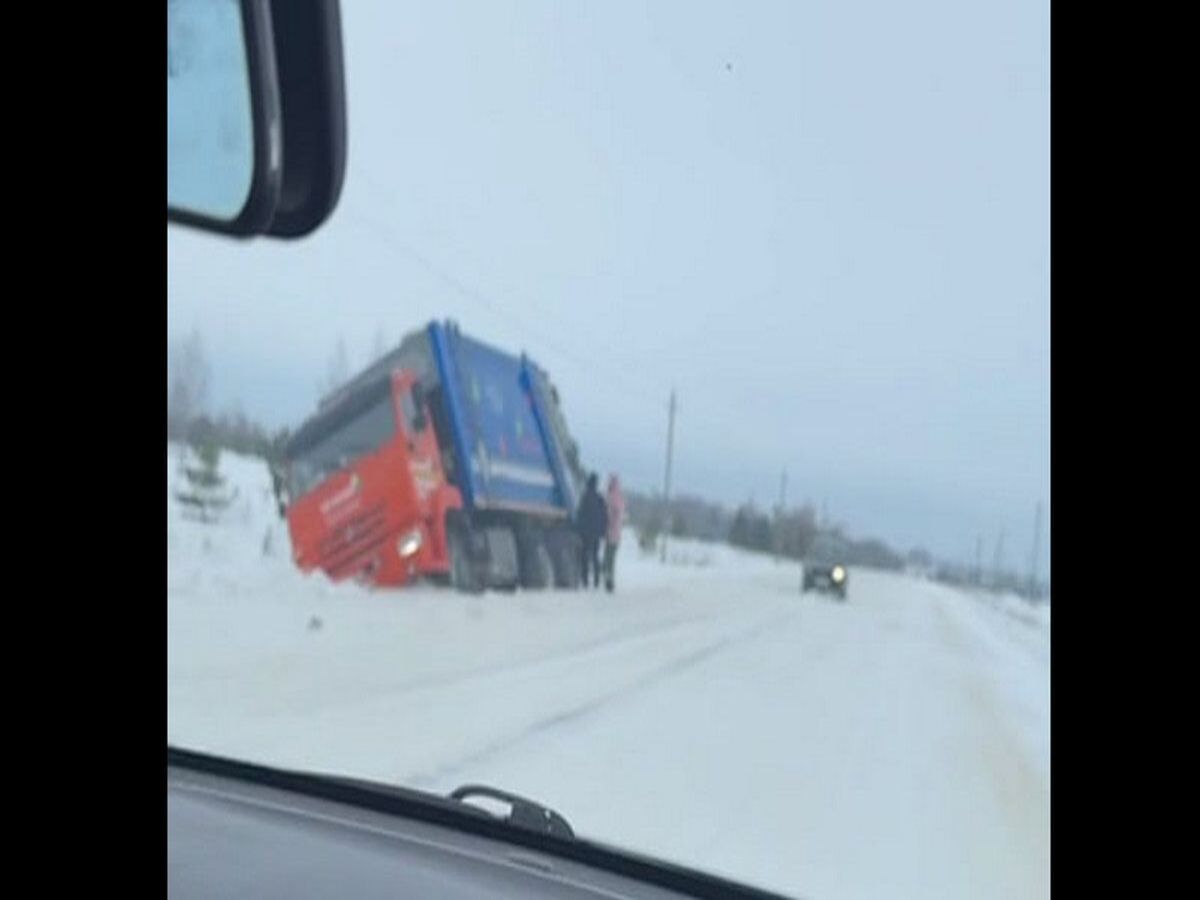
point(409, 543)
point(839, 574)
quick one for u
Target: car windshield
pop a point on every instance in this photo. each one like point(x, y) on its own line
point(824, 550)
point(772, 278)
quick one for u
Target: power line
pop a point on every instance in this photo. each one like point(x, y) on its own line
point(590, 366)
point(998, 557)
point(379, 188)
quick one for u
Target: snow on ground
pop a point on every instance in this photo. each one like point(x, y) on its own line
point(897, 745)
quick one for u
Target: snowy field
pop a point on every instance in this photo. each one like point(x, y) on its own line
point(894, 746)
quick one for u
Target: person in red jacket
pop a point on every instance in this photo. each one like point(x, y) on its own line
point(615, 501)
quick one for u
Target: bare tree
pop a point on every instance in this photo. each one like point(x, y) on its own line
point(378, 345)
point(187, 389)
point(338, 372)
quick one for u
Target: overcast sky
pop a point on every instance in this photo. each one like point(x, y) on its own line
point(825, 224)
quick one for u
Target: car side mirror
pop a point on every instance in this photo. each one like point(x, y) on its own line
point(256, 123)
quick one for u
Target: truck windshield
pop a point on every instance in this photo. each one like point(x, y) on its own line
point(347, 435)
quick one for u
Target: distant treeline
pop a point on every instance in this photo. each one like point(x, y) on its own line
point(689, 516)
point(188, 418)
point(789, 533)
point(792, 533)
point(228, 431)
point(1003, 581)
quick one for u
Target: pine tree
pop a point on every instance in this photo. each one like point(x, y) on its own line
point(205, 496)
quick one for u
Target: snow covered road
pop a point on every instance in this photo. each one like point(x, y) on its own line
point(893, 746)
point(838, 752)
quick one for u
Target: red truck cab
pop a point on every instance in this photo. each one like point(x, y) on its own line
point(371, 494)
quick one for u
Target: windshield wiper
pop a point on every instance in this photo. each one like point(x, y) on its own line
point(523, 812)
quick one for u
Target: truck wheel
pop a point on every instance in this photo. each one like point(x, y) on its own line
point(537, 568)
point(462, 571)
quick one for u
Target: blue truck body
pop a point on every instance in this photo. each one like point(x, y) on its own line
point(499, 414)
point(498, 407)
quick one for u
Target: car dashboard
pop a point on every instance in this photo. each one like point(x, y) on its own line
point(230, 837)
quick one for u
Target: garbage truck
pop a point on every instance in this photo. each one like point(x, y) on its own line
point(448, 460)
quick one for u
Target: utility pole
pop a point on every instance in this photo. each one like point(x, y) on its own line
point(779, 512)
point(978, 558)
point(667, 476)
point(996, 559)
point(1037, 546)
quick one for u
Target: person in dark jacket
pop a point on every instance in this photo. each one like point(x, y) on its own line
point(592, 522)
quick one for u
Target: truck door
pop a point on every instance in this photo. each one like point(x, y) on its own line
point(434, 494)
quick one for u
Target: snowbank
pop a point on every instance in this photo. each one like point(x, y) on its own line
point(895, 745)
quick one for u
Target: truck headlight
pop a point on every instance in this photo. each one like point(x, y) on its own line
point(409, 543)
point(839, 574)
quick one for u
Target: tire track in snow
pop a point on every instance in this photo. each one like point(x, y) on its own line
point(574, 713)
point(614, 639)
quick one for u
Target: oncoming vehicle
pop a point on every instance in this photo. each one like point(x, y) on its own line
point(825, 568)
